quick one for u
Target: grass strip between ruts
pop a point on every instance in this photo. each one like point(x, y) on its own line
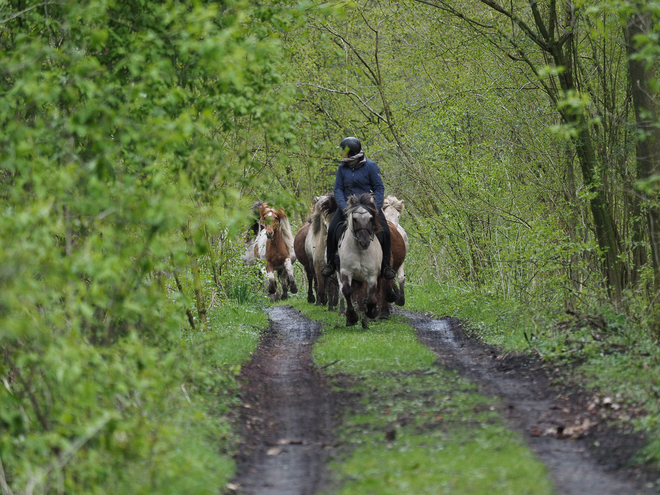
point(416, 427)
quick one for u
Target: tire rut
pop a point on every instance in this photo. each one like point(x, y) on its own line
point(532, 406)
point(286, 417)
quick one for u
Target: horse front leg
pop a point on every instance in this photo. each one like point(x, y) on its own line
point(284, 282)
point(372, 303)
point(311, 282)
point(389, 287)
point(321, 291)
point(401, 296)
point(347, 291)
point(270, 277)
point(332, 291)
point(288, 269)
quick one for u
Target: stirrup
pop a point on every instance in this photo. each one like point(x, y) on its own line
point(388, 273)
point(328, 270)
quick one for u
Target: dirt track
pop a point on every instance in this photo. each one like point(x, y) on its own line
point(287, 414)
point(534, 407)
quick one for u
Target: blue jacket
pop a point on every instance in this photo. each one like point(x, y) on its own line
point(362, 179)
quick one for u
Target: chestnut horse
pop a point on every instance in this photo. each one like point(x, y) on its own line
point(274, 244)
point(392, 208)
point(387, 291)
point(360, 257)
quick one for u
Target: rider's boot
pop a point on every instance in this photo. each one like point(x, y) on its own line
point(328, 270)
point(388, 273)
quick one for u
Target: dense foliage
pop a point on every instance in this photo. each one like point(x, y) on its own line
point(119, 178)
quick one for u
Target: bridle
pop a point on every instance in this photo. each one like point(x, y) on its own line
point(354, 231)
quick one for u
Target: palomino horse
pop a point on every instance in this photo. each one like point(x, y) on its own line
point(360, 257)
point(392, 208)
point(274, 244)
point(310, 245)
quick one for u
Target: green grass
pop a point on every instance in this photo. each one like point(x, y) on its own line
point(448, 438)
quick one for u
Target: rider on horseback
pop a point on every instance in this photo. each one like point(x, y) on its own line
point(357, 175)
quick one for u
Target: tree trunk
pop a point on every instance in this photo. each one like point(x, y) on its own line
point(606, 230)
point(197, 278)
point(645, 103)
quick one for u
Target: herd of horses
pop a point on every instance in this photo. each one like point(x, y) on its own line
point(357, 281)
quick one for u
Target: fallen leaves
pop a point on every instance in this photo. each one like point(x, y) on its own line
point(562, 432)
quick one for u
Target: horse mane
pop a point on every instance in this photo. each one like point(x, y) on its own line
point(323, 206)
point(285, 228)
point(392, 201)
point(365, 201)
point(328, 204)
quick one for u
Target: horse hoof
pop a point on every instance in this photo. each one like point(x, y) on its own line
point(311, 300)
point(272, 290)
point(294, 289)
point(372, 312)
point(390, 296)
point(351, 318)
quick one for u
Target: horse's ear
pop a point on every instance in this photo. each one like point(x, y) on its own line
point(280, 213)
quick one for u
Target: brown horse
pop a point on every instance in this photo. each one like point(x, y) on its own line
point(275, 246)
point(392, 209)
point(387, 290)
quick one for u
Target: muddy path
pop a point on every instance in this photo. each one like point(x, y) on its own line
point(286, 415)
point(583, 456)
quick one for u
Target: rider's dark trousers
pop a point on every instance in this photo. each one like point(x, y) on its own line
point(333, 238)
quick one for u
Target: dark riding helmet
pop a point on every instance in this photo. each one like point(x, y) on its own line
point(352, 144)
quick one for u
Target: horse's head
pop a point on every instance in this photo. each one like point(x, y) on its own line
point(361, 216)
point(270, 219)
point(392, 208)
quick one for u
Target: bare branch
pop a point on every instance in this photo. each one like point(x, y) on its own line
point(353, 94)
point(354, 50)
point(18, 14)
point(519, 22)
